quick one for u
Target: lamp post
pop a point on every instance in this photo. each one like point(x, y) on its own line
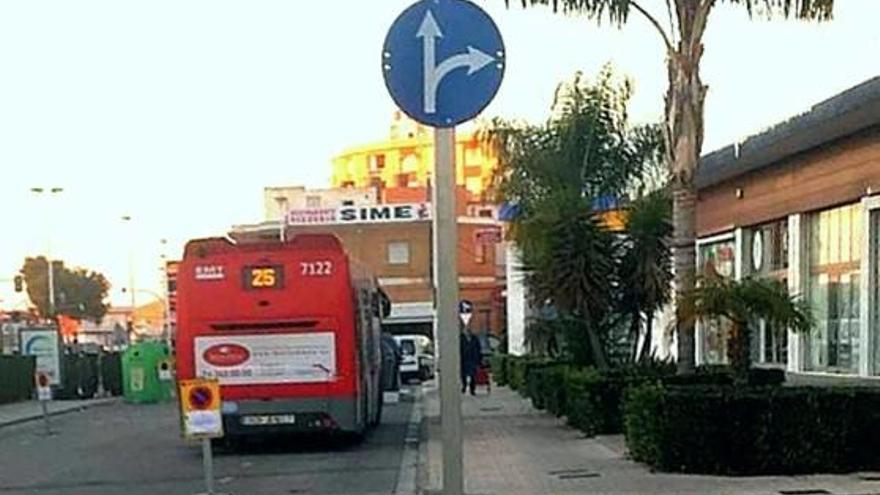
point(166, 317)
point(131, 288)
point(50, 269)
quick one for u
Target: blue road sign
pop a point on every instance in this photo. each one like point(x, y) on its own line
point(465, 307)
point(465, 311)
point(443, 61)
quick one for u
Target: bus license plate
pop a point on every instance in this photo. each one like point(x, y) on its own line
point(268, 419)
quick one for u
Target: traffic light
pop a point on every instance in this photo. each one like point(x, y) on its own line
point(19, 283)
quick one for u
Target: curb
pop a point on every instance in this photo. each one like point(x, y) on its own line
point(73, 408)
point(407, 476)
point(423, 474)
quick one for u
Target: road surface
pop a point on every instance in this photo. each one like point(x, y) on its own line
point(137, 450)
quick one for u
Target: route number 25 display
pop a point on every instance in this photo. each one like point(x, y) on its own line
point(264, 277)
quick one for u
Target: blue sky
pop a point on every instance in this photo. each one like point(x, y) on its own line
point(178, 113)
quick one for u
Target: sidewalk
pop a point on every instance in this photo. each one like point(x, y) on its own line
point(510, 448)
point(21, 412)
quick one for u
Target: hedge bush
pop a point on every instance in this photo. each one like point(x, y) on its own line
point(518, 368)
point(754, 430)
point(16, 378)
point(724, 375)
point(594, 398)
point(499, 363)
point(545, 386)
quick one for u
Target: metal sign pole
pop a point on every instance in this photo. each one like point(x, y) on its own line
point(446, 257)
point(208, 465)
point(45, 410)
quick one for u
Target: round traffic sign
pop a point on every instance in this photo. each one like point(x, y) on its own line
point(200, 398)
point(443, 61)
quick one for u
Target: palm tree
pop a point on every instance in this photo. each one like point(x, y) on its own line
point(685, 95)
point(554, 173)
point(646, 265)
point(743, 303)
point(569, 258)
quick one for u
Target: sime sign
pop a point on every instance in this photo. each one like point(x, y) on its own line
point(389, 213)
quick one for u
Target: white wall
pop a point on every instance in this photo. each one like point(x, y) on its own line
point(296, 197)
point(517, 307)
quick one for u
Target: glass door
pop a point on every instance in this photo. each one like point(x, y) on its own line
point(874, 285)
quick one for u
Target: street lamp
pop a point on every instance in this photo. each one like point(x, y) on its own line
point(282, 217)
point(49, 267)
point(131, 288)
point(167, 309)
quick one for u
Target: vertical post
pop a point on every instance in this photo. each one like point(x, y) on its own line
point(50, 269)
point(282, 217)
point(208, 464)
point(446, 259)
point(45, 409)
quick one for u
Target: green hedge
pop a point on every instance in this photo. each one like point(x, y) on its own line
point(499, 363)
point(723, 375)
point(595, 398)
point(754, 430)
point(545, 385)
point(16, 378)
point(518, 368)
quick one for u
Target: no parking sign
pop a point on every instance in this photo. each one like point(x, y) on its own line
point(200, 409)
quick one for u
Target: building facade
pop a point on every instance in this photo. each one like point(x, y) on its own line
point(800, 203)
point(283, 198)
point(406, 159)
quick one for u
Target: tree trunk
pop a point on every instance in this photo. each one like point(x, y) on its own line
point(596, 349)
point(685, 260)
point(738, 352)
point(646, 345)
point(634, 331)
point(684, 139)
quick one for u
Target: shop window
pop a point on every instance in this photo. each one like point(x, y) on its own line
point(767, 257)
point(834, 282)
point(718, 258)
point(874, 286)
point(398, 253)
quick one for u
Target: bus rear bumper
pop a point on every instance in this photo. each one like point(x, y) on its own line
point(256, 417)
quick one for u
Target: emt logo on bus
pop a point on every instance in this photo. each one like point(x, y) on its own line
point(210, 272)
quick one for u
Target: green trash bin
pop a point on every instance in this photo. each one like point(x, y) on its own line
point(141, 381)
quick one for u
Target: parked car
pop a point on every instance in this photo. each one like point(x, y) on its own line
point(417, 357)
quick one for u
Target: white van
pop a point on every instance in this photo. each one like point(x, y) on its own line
point(417, 357)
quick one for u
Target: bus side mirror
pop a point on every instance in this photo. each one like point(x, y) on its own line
point(381, 305)
point(385, 303)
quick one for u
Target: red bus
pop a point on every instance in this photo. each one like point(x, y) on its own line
point(291, 330)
